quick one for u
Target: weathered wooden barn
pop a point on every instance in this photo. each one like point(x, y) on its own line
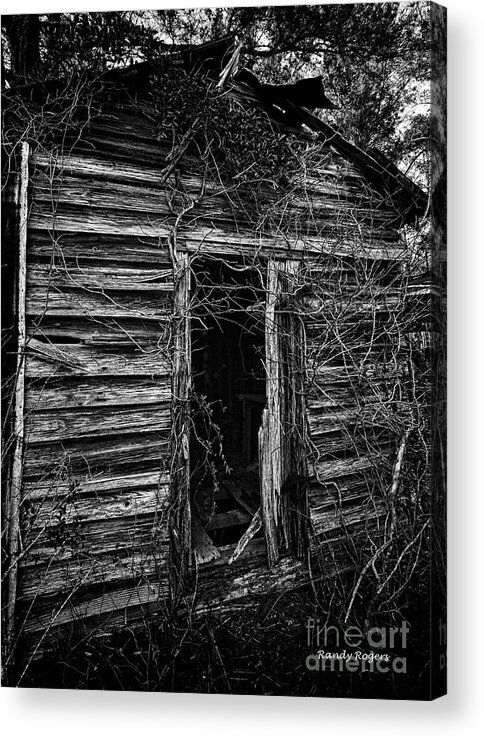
point(203, 402)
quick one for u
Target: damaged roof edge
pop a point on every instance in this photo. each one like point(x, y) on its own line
point(410, 200)
point(407, 197)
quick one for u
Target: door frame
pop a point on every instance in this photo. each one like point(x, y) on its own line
point(283, 434)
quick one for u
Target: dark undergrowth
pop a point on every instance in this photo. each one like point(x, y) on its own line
point(261, 649)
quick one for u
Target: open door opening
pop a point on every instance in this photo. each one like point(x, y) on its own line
point(229, 395)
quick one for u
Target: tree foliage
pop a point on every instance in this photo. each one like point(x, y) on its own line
point(374, 58)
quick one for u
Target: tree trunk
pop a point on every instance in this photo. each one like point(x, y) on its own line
point(23, 32)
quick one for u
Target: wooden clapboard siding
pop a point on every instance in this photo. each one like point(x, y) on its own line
point(77, 360)
point(82, 571)
point(206, 234)
point(58, 301)
point(48, 513)
point(107, 169)
point(105, 278)
point(116, 222)
point(96, 330)
point(98, 397)
point(43, 490)
point(311, 214)
point(91, 165)
point(101, 455)
point(116, 173)
point(330, 520)
point(351, 373)
point(91, 392)
point(100, 182)
point(113, 607)
point(62, 520)
point(80, 247)
point(93, 539)
point(60, 425)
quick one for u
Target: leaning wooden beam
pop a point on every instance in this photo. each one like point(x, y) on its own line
point(13, 519)
point(253, 528)
point(54, 354)
point(230, 68)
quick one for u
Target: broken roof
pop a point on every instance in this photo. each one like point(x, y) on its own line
point(218, 61)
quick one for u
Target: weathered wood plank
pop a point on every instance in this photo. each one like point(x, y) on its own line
point(220, 591)
point(98, 485)
point(106, 455)
point(53, 302)
point(112, 222)
point(49, 512)
point(344, 491)
point(250, 532)
point(329, 470)
point(122, 149)
point(310, 211)
point(370, 417)
point(65, 577)
point(100, 331)
point(271, 431)
point(60, 274)
point(118, 537)
point(94, 361)
point(321, 373)
point(335, 182)
point(348, 443)
point(382, 301)
point(94, 392)
point(54, 354)
point(88, 247)
point(203, 236)
point(331, 180)
point(322, 398)
point(112, 606)
point(328, 521)
point(106, 168)
point(99, 194)
point(60, 425)
point(205, 242)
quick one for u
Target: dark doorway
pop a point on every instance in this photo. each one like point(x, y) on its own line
point(229, 394)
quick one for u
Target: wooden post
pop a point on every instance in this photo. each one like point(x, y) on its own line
point(283, 466)
point(180, 442)
point(13, 508)
point(270, 432)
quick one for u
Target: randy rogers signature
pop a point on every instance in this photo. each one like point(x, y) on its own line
point(356, 662)
point(357, 655)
